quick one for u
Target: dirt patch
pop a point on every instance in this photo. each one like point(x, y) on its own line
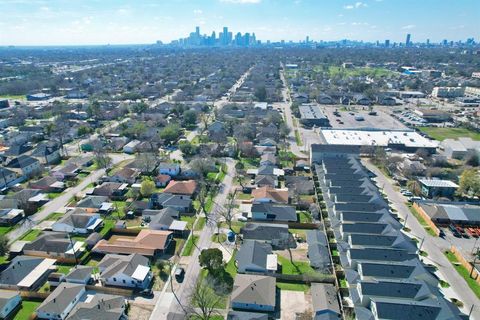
point(298, 254)
point(293, 303)
point(140, 311)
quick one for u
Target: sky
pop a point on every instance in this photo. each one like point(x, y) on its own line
point(84, 22)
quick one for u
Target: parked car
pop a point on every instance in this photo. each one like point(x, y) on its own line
point(179, 274)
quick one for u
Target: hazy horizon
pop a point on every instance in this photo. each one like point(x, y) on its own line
point(94, 22)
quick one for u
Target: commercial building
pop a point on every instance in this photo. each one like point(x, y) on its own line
point(452, 212)
point(433, 188)
point(458, 149)
point(403, 140)
point(311, 115)
point(448, 92)
point(433, 115)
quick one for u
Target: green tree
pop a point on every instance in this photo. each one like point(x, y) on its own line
point(189, 118)
point(211, 259)
point(170, 133)
point(140, 107)
point(188, 149)
point(147, 188)
point(470, 183)
point(261, 93)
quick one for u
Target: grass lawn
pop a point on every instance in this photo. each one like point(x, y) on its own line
point(219, 238)
point(475, 286)
point(5, 230)
point(441, 134)
point(299, 233)
point(200, 223)
point(28, 307)
point(55, 216)
point(189, 246)
point(3, 259)
point(189, 220)
point(231, 267)
point(236, 226)
point(250, 163)
point(224, 298)
point(343, 283)
point(297, 267)
point(334, 71)
point(31, 235)
point(64, 268)
point(53, 195)
point(292, 286)
point(13, 97)
point(304, 217)
point(244, 196)
point(107, 225)
point(298, 139)
point(421, 220)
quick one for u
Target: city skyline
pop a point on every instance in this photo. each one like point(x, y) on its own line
point(59, 22)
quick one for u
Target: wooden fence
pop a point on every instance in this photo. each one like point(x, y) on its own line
point(470, 267)
point(427, 219)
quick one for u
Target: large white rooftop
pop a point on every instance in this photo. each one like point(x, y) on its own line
point(382, 138)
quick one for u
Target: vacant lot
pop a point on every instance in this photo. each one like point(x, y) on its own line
point(441, 134)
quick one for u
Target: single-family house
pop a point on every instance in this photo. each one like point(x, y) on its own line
point(169, 168)
point(112, 190)
point(217, 132)
point(162, 180)
point(7, 177)
point(46, 153)
point(61, 301)
point(149, 243)
point(256, 256)
point(48, 184)
point(160, 219)
point(11, 216)
point(254, 292)
point(181, 187)
point(99, 306)
point(9, 302)
point(81, 223)
point(99, 204)
point(181, 203)
point(124, 175)
point(56, 245)
point(131, 147)
point(275, 234)
point(325, 302)
point(132, 271)
point(26, 273)
point(273, 211)
point(25, 165)
point(80, 275)
point(268, 194)
point(66, 172)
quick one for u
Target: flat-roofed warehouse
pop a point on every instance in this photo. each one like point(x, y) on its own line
point(404, 140)
point(311, 115)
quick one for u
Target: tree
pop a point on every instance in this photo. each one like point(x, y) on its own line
point(469, 183)
point(261, 93)
point(211, 259)
point(93, 109)
point(188, 149)
point(472, 159)
point(227, 211)
point(147, 188)
point(414, 187)
point(170, 133)
point(3, 245)
point(100, 155)
point(139, 108)
point(189, 118)
point(204, 300)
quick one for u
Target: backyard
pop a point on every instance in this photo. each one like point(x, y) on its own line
point(28, 307)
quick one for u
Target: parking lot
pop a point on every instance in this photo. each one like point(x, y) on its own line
point(360, 117)
point(466, 244)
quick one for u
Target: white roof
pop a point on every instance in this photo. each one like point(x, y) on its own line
point(57, 184)
point(38, 197)
point(36, 273)
point(178, 225)
point(438, 183)
point(140, 273)
point(272, 262)
point(376, 138)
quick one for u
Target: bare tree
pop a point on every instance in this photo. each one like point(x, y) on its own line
point(227, 211)
point(101, 157)
point(204, 300)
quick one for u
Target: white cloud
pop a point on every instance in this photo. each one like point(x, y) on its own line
point(408, 27)
point(197, 12)
point(355, 5)
point(241, 1)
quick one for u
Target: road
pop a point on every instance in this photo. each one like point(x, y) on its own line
point(226, 98)
point(193, 269)
point(56, 204)
point(434, 246)
point(308, 136)
point(177, 154)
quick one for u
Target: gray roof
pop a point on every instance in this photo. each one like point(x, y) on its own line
point(362, 227)
point(253, 289)
point(92, 202)
point(18, 269)
point(382, 254)
point(50, 242)
point(79, 273)
point(324, 297)
point(318, 253)
point(397, 310)
point(253, 252)
point(263, 231)
point(113, 264)
point(276, 211)
point(5, 296)
point(101, 306)
point(76, 220)
point(437, 183)
point(60, 298)
point(241, 315)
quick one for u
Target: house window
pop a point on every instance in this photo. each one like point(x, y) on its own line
point(123, 281)
point(115, 279)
